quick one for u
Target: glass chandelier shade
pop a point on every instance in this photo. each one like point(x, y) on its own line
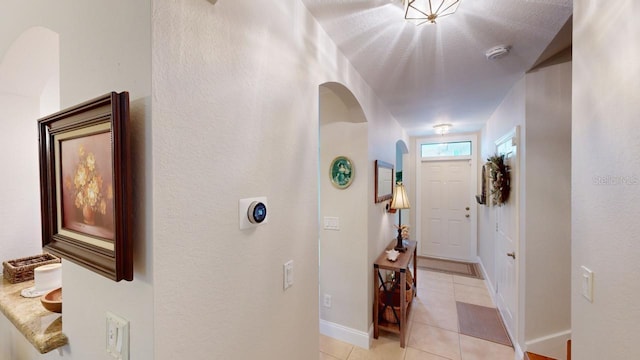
point(423, 11)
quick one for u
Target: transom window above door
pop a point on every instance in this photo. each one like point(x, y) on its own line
point(446, 150)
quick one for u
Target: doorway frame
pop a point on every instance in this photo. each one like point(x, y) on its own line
point(515, 135)
point(473, 185)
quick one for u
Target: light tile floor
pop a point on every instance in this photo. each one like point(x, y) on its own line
point(433, 327)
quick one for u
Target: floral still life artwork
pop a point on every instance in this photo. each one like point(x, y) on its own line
point(87, 185)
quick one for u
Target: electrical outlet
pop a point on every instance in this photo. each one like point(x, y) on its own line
point(117, 337)
point(288, 274)
point(326, 301)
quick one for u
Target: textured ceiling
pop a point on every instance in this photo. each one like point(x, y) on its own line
point(432, 74)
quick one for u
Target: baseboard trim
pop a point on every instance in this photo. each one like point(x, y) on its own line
point(492, 292)
point(553, 345)
point(352, 336)
point(487, 280)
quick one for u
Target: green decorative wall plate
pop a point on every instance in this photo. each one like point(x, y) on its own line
point(341, 172)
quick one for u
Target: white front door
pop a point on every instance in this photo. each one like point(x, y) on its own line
point(445, 205)
point(506, 245)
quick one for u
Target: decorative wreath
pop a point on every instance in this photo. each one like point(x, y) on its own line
point(500, 179)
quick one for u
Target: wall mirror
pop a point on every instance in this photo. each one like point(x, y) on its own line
point(383, 181)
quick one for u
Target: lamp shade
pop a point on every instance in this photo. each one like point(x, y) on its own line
point(400, 199)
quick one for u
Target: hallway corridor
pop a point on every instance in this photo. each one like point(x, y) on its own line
point(433, 326)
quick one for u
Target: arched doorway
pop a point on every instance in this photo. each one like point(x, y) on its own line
point(29, 89)
point(343, 246)
point(402, 150)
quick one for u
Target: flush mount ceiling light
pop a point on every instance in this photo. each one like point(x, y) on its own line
point(442, 129)
point(423, 11)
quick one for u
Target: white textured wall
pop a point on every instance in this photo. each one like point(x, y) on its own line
point(509, 114)
point(606, 178)
point(20, 205)
point(29, 65)
point(540, 104)
point(547, 249)
point(235, 104)
point(343, 254)
point(235, 116)
point(104, 46)
point(384, 133)
point(20, 104)
point(347, 255)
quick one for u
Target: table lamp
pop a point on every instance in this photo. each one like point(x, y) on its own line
point(400, 201)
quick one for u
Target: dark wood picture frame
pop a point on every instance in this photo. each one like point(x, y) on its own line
point(384, 181)
point(85, 185)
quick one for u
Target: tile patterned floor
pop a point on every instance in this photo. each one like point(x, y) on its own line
point(433, 327)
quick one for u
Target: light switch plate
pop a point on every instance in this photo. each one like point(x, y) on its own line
point(288, 274)
point(117, 337)
point(331, 223)
point(587, 283)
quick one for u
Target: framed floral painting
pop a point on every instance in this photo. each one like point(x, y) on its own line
point(85, 185)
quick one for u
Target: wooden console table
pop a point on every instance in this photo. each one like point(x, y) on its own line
point(400, 267)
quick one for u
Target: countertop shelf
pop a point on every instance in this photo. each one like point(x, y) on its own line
point(41, 327)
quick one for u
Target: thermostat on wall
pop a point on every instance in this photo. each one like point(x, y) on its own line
point(252, 212)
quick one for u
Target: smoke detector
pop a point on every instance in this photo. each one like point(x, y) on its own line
point(497, 52)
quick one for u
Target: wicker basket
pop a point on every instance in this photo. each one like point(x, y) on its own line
point(390, 300)
point(19, 270)
point(387, 311)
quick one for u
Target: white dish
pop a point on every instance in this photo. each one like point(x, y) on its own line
point(392, 255)
point(31, 292)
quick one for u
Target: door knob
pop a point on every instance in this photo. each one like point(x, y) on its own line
point(466, 215)
point(467, 208)
point(512, 254)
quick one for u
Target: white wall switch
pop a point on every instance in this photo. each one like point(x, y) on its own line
point(117, 337)
point(288, 274)
point(331, 223)
point(587, 283)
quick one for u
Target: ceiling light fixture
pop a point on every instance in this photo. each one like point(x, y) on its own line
point(442, 129)
point(497, 52)
point(423, 11)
